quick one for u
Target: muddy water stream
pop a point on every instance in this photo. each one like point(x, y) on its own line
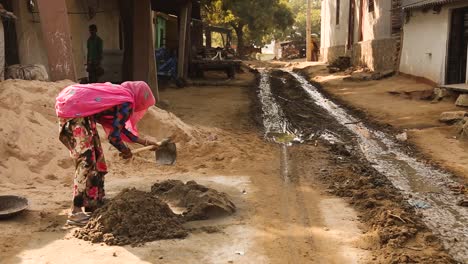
point(274, 121)
point(425, 188)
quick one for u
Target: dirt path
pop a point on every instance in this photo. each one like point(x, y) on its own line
point(277, 221)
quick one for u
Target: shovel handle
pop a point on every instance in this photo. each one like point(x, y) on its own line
point(153, 147)
point(135, 151)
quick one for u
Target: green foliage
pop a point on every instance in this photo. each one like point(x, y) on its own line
point(255, 22)
point(299, 8)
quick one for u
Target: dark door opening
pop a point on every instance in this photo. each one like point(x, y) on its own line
point(458, 44)
point(11, 41)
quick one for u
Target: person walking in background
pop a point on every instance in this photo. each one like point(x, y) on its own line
point(315, 47)
point(94, 58)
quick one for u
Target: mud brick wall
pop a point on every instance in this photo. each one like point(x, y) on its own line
point(377, 55)
point(332, 53)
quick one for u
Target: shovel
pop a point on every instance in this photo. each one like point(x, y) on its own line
point(165, 152)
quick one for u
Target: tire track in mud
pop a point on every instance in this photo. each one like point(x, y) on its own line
point(274, 122)
point(294, 210)
point(308, 110)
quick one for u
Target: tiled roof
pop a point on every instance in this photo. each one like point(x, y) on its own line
point(411, 4)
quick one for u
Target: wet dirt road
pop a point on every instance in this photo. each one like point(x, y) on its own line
point(310, 115)
point(313, 202)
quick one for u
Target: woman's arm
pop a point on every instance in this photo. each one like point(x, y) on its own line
point(122, 113)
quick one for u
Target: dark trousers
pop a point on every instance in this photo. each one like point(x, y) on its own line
point(94, 72)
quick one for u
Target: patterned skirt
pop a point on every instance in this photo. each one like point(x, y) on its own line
point(80, 136)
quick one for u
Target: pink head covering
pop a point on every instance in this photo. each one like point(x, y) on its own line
point(82, 100)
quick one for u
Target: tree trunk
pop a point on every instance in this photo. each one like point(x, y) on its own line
point(240, 38)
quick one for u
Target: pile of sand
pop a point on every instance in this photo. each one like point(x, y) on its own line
point(30, 151)
point(200, 202)
point(160, 124)
point(132, 217)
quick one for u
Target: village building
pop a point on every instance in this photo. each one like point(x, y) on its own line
point(54, 34)
point(367, 31)
point(435, 41)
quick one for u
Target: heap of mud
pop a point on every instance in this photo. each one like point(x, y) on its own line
point(201, 202)
point(132, 217)
point(135, 217)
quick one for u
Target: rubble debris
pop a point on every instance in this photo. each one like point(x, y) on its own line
point(350, 70)
point(340, 64)
point(413, 95)
point(419, 204)
point(359, 76)
point(462, 127)
point(382, 74)
point(369, 76)
point(333, 69)
point(463, 202)
point(402, 137)
point(201, 202)
point(452, 116)
point(132, 217)
point(462, 100)
point(439, 94)
point(30, 72)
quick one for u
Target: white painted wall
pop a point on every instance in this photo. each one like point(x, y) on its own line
point(332, 34)
point(377, 24)
point(425, 44)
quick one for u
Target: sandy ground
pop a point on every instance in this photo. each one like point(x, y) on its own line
point(219, 146)
point(400, 102)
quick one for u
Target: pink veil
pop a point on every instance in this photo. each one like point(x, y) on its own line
point(81, 100)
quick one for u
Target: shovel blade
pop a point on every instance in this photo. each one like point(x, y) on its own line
point(166, 154)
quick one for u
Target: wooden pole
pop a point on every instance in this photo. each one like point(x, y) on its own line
point(309, 32)
point(184, 40)
point(144, 61)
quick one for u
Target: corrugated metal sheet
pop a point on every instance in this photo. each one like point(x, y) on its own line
point(412, 4)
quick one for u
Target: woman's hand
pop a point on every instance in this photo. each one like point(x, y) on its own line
point(150, 143)
point(126, 154)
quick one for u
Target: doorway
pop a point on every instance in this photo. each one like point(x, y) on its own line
point(458, 45)
point(11, 42)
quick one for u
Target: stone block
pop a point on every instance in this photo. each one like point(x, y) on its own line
point(451, 117)
point(462, 100)
point(440, 93)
